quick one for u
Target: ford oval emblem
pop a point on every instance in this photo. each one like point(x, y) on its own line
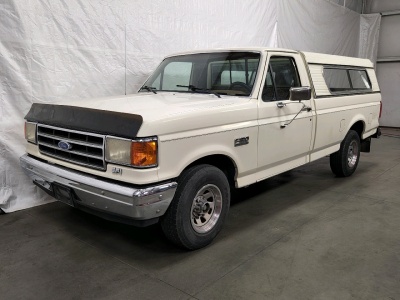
point(64, 145)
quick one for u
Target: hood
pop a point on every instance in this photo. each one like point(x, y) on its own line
point(145, 114)
point(158, 106)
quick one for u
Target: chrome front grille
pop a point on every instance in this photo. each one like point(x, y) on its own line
point(86, 149)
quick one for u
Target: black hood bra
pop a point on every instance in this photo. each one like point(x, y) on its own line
point(86, 119)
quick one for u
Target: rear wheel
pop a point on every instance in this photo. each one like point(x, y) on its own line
point(199, 207)
point(345, 161)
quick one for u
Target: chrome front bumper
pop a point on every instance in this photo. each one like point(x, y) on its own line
point(100, 197)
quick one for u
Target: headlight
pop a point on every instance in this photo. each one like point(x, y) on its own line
point(30, 132)
point(140, 153)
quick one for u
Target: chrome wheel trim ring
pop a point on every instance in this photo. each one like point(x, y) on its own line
point(352, 154)
point(206, 208)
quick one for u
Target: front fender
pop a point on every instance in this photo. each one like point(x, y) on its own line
point(176, 154)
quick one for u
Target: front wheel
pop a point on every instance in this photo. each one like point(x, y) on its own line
point(199, 207)
point(344, 162)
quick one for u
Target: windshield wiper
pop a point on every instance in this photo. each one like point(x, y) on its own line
point(148, 88)
point(199, 90)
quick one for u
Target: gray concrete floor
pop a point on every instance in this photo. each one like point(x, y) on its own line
point(301, 235)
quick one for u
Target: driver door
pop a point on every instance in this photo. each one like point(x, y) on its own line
point(281, 148)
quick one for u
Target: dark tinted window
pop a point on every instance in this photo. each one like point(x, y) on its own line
point(359, 79)
point(281, 76)
point(336, 80)
point(269, 89)
point(344, 80)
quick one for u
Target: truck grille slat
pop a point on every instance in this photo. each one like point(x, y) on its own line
point(72, 141)
point(71, 151)
point(87, 149)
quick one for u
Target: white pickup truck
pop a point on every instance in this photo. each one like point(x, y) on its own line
point(203, 123)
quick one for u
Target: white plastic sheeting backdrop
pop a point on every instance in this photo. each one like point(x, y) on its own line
point(54, 50)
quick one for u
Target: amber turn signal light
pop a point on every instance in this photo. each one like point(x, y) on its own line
point(144, 153)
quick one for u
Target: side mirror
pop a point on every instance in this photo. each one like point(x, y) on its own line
point(300, 93)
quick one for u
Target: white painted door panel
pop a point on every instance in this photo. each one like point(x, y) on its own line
point(280, 147)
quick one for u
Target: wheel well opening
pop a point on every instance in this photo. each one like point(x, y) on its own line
point(222, 162)
point(359, 128)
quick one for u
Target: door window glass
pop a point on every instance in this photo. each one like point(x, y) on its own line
point(281, 76)
point(268, 93)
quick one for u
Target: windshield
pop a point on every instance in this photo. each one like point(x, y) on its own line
point(222, 73)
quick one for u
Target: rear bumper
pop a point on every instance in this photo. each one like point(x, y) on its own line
point(109, 200)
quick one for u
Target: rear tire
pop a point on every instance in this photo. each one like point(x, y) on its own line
point(199, 208)
point(345, 161)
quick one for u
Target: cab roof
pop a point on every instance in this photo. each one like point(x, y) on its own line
point(310, 57)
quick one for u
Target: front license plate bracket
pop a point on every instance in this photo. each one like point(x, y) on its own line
point(63, 194)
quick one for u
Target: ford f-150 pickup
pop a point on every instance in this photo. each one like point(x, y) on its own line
point(202, 124)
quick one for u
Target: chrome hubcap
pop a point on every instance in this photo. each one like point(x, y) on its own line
point(352, 154)
point(206, 208)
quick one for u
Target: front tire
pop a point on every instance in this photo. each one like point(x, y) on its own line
point(199, 207)
point(345, 161)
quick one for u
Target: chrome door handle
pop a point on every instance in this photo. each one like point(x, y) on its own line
point(280, 104)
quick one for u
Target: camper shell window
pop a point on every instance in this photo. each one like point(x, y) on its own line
point(346, 80)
